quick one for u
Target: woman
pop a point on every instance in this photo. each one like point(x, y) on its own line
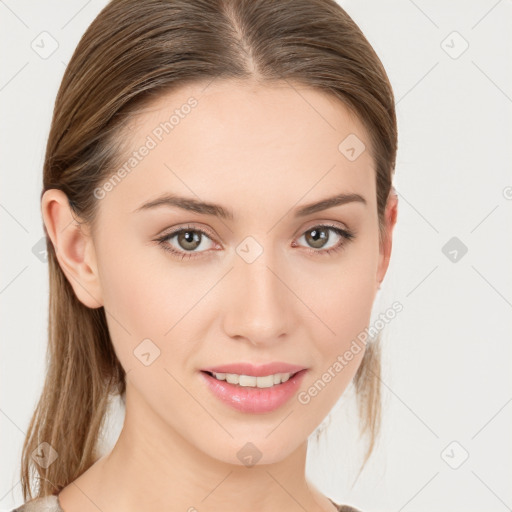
point(219, 209)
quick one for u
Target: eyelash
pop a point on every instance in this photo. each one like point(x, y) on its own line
point(346, 235)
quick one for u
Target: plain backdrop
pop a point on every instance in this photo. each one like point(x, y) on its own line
point(447, 393)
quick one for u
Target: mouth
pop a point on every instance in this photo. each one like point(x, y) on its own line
point(263, 397)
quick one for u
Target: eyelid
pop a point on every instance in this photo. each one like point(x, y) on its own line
point(325, 223)
point(183, 227)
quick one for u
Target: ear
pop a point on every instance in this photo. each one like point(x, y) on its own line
point(390, 216)
point(73, 246)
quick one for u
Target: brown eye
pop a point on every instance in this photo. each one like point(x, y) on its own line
point(317, 237)
point(189, 240)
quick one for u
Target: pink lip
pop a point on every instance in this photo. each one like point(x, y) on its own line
point(255, 371)
point(252, 399)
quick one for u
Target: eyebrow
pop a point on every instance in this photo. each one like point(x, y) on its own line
point(193, 205)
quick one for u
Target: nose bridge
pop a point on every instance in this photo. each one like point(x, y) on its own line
point(259, 307)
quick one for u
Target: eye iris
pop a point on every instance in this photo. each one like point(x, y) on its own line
point(319, 237)
point(189, 237)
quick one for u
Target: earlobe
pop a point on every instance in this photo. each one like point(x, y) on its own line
point(73, 247)
point(390, 217)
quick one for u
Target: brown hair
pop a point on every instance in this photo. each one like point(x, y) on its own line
point(131, 53)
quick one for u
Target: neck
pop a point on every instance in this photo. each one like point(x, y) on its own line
point(154, 464)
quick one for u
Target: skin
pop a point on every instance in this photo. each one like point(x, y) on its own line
point(260, 151)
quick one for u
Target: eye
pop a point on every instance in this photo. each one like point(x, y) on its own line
point(187, 241)
point(318, 237)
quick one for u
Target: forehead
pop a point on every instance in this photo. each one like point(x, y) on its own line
point(247, 144)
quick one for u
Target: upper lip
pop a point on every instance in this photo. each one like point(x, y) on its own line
point(255, 370)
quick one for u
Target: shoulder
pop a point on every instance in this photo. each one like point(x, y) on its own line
point(43, 504)
point(344, 508)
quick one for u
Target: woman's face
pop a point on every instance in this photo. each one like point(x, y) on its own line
point(261, 283)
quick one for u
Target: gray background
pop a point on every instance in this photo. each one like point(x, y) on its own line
point(447, 356)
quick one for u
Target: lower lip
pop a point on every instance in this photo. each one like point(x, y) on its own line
point(252, 399)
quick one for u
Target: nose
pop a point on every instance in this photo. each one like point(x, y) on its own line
point(259, 306)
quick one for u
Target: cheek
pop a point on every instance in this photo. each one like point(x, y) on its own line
point(346, 310)
point(144, 299)
point(348, 302)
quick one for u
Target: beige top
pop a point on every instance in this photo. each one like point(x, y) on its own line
point(45, 504)
point(51, 504)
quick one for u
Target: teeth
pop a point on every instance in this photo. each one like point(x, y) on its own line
point(250, 381)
